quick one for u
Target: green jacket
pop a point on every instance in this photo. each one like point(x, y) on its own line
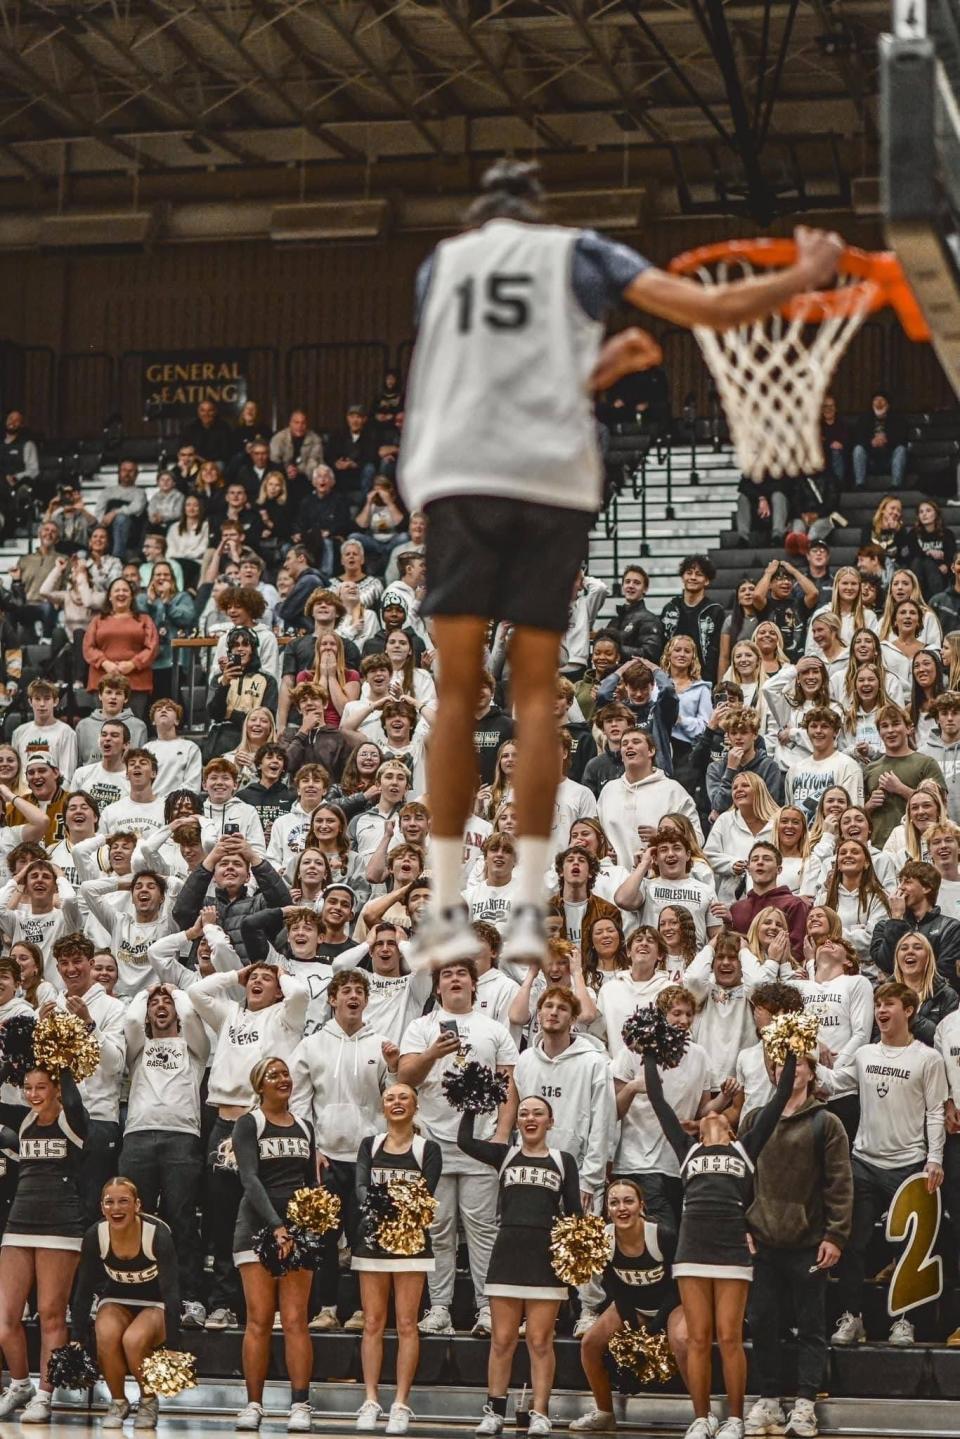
point(804, 1182)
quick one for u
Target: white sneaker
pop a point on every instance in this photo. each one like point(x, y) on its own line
point(16, 1396)
point(194, 1316)
point(849, 1330)
point(766, 1417)
point(702, 1428)
point(355, 1323)
point(250, 1417)
point(117, 1411)
point(442, 938)
point(730, 1429)
point(399, 1420)
point(483, 1323)
point(526, 938)
point(367, 1416)
point(802, 1420)
point(38, 1410)
point(491, 1423)
point(221, 1319)
point(539, 1423)
point(588, 1317)
point(148, 1412)
point(437, 1321)
point(595, 1421)
point(300, 1418)
point(901, 1333)
point(326, 1319)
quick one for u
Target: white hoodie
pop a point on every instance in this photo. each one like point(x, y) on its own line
point(180, 765)
point(620, 996)
point(724, 1024)
point(129, 937)
point(578, 1086)
point(165, 1074)
point(101, 1092)
point(288, 835)
point(244, 1035)
point(237, 811)
point(624, 805)
point(338, 1079)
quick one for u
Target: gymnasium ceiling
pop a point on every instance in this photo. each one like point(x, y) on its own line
point(731, 104)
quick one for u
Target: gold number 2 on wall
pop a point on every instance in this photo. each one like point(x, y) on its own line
point(914, 1216)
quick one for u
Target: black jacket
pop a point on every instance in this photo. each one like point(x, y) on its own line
point(943, 934)
point(272, 893)
point(489, 732)
point(946, 607)
point(601, 770)
point(331, 513)
point(641, 632)
point(894, 427)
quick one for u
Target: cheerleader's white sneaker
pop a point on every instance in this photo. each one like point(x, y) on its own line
point(117, 1411)
point(38, 1410)
point(250, 1418)
point(300, 1418)
point(16, 1396)
point(765, 1417)
point(491, 1423)
point(368, 1416)
point(702, 1428)
point(399, 1419)
point(148, 1412)
point(730, 1429)
point(595, 1421)
point(539, 1423)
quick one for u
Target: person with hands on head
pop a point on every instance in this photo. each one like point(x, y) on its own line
point(44, 1233)
point(276, 1155)
point(400, 1152)
point(713, 1263)
point(339, 1074)
point(662, 876)
point(637, 1289)
point(800, 1220)
point(903, 1088)
point(129, 1262)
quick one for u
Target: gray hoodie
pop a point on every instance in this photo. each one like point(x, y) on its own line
point(578, 1085)
point(947, 757)
point(88, 734)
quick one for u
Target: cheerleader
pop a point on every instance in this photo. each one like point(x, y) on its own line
point(41, 1243)
point(128, 1260)
point(713, 1265)
point(382, 1157)
point(276, 1156)
point(537, 1186)
point(638, 1289)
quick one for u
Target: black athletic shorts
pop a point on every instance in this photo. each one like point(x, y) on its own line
point(504, 559)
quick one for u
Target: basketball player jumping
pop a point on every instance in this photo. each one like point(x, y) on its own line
point(500, 452)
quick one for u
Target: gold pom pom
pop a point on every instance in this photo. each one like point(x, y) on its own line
point(579, 1247)
point(314, 1209)
point(796, 1033)
point(169, 1372)
point(61, 1041)
point(414, 1209)
point(648, 1356)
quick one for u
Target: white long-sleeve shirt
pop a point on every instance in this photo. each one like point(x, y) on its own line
point(244, 1035)
point(724, 1023)
point(845, 1009)
point(902, 1094)
point(165, 1074)
point(338, 1079)
point(56, 741)
point(643, 1147)
point(179, 765)
point(730, 840)
point(101, 1092)
point(130, 938)
point(618, 999)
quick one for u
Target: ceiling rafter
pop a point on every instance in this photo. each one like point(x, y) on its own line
point(276, 20)
point(385, 12)
point(574, 8)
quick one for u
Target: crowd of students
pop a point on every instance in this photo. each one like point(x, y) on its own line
point(758, 814)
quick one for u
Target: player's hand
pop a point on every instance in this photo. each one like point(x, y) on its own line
point(818, 252)
point(631, 350)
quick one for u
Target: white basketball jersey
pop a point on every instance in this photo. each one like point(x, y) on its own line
point(498, 400)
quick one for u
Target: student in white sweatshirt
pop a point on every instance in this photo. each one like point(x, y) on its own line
point(720, 978)
point(288, 835)
point(662, 877)
point(634, 988)
point(630, 808)
point(853, 890)
point(179, 762)
point(141, 811)
point(339, 1073)
point(396, 998)
point(268, 1021)
point(843, 1000)
point(131, 934)
point(105, 779)
point(167, 1050)
point(228, 814)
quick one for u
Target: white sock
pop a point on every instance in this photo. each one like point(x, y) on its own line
point(446, 869)
point(533, 860)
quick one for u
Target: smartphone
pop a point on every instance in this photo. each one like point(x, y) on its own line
point(231, 829)
point(449, 1026)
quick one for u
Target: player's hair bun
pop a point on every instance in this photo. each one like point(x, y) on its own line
point(519, 178)
point(509, 190)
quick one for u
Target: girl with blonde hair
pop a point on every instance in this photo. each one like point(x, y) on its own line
point(915, 965)
point(750, 817)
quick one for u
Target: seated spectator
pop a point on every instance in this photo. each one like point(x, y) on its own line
point(946, 603)
point(210, 435)
point(761, 511)
point(914, 908)
point(835, 438)
point(300, 566)
point(164, 504)
point(353, 451)
point(416, 544)
point(323, 518)
point(297, 450)
point(72, 517)
point(208, 486)
point(380, 524)
point(933, 547)
point(122, 508)
point(352, 560)
point(188, 540)
point(251, 466)
point(237, 510)
point(880, 443)
point(640, 633)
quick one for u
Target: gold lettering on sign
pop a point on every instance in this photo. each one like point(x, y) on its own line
point(914, 1216)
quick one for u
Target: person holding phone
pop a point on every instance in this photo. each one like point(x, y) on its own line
point(242, 685)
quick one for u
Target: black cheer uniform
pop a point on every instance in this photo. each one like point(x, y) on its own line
point(718, 1181)
point(145, 1280)
point(376, 1166)
point(535, 1191)
point(46, 1212)
point(273, 1161)
point(641, 1286)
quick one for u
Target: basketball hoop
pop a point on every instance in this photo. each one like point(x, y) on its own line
point(772, 374)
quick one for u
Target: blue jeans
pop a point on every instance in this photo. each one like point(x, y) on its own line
point(120, 534)
point(879, 462)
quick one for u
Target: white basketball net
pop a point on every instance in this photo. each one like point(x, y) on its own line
point(773, 374)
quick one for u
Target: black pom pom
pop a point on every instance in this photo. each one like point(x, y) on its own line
point(377, 1208)
point(304, 1253)
point(70, 1367)
point(474, 1088)
point(647, 1032)
point(16, 1048)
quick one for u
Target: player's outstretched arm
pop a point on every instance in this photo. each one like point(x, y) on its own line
point(686, 302)
point(623, 354)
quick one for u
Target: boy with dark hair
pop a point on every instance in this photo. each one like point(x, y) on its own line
point(269, 794)
point(691, 613)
